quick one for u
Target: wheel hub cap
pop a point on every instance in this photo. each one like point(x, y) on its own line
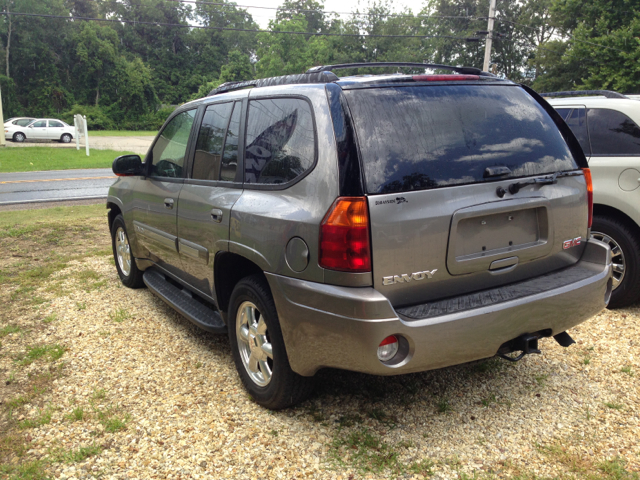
point(254, 345)
point(123, 251)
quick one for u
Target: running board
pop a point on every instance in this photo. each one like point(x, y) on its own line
point(183, 301)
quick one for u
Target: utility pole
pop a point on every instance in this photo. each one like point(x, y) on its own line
point(487, 47)
point(2, 140)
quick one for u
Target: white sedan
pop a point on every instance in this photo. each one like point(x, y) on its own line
point(40, 129)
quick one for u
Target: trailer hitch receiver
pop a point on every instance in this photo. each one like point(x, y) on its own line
point(525, 344)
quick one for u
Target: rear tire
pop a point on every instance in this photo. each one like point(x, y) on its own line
point(625, 245)
point(19, 137)
point(66, 138)
point(128, 271)
point(258, 347)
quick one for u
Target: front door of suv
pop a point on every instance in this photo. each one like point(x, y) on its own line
point(209, 194)
point(156, 197)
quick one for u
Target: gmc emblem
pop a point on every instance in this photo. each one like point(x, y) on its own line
point(574, 242)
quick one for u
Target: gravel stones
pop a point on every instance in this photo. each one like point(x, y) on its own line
point(186, 414)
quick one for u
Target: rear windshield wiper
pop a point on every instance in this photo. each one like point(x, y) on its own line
point(546, 180)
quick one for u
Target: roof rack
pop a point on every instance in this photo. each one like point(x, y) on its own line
point(580, 93)
point(464, 70)
point(319, 77)
point(324, 74)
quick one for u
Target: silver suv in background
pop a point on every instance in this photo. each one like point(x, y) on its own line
point(606, 125)
point(383, 224)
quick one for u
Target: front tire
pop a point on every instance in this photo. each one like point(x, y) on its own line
point(258, 347)
point(625, 252)
point(128, 271)
point(66, 138)
point(19, 137)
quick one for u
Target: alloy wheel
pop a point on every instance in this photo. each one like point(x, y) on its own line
point(254, 345)
point(617, 257)
point(123, 251)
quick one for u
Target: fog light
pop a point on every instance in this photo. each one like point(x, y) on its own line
point(388, 348)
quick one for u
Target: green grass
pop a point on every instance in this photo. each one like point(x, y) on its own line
point(75, 456)
point(14, 223)
point(54, 352)
point(8, 329)
point(119, 315)
point(77, 415)
point(43, 418)
point(120, 133)
point(32, 159)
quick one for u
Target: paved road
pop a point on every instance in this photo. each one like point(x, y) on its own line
point(55, 185)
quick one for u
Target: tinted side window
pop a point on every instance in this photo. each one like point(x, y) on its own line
point(612, 133)
point(280, 140)
point(577, 122)
point(53, 123)
point(563, 112)
point(230, 155)
point(170, 148)
point(206, 162)
point(416, 138)
point(40, 124)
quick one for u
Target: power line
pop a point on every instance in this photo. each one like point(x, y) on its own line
point(324, 12)
point(204, 27)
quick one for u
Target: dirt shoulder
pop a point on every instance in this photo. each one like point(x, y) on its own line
point(100, 381)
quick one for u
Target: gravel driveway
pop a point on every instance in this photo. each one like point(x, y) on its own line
point(144, 394)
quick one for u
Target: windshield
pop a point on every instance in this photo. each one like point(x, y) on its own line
point(422, 137)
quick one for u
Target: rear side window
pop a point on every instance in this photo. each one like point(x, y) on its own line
point(206, 162)
point(415, 138)
point(53, 123)
point(281, 141)
point(577, 122)
point(612, 133)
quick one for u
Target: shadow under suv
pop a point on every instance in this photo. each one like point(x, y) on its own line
point(383, 223)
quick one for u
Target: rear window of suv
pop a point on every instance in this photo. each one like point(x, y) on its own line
point(416, 138)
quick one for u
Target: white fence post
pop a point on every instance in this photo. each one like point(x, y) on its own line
point(86, 134)
point(76, 132)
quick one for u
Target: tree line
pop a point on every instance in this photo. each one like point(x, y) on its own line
point(143, 55)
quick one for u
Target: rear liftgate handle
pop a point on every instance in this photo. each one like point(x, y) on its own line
point(216, 215)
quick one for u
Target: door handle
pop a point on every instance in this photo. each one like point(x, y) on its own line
point(168, 203)
point(216, 215)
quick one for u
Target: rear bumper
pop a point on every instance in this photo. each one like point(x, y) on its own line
point(341, 327)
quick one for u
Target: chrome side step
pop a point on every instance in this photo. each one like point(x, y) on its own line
point(183, 301)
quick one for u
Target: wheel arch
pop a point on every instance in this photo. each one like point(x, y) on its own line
point(611, 212)
point(114, 211)
point(229, 269)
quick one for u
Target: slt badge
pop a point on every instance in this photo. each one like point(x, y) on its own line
point(404, 278)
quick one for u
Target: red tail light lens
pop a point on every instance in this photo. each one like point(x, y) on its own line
point(587, 177)
point(344, 236)
point(444, 78)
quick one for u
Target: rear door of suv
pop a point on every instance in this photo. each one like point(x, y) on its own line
point(208, 195)
point(438, 161)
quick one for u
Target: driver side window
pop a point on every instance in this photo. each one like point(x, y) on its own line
point(170, 149)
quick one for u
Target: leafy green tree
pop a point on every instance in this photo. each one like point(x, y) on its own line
point(237, 68)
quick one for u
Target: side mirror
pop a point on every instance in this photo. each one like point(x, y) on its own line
point(127, 166)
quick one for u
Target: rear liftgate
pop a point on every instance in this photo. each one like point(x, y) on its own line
point(528, 343)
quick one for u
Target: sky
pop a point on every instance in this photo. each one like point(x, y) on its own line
point(262, 16)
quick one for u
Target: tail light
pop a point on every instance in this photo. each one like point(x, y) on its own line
point(587, 177)
point(344, 236)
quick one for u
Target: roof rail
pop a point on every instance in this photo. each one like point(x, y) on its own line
point(316, 77)
point(580, 93)
point(464, 70)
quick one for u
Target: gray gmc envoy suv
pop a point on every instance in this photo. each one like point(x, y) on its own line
point(377, 223)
